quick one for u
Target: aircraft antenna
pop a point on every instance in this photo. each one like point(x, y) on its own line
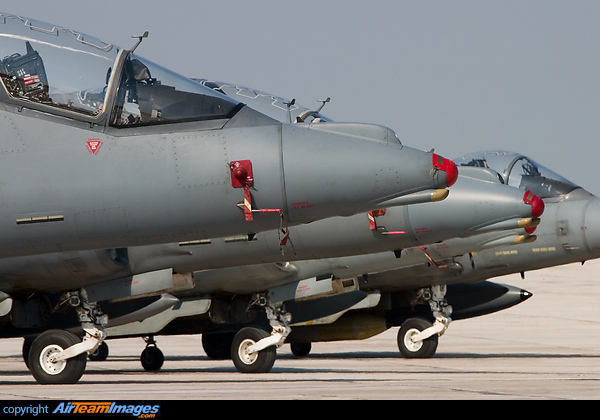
point(289, 107)
point(302, 117)
point(140, 38)
point(323, 102)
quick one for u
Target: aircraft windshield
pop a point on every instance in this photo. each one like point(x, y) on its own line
point(149, 94)
point(520, 171)
point(46, 64)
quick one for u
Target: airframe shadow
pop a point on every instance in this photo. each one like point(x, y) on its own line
point(113, 374)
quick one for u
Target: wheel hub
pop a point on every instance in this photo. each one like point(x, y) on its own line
point(51, 368)
point(245, 356)
point(409, 343)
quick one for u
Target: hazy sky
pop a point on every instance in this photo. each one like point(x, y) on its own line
point(455, 75)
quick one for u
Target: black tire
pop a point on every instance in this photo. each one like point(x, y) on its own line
point(217, 346)
point(423, 350)
point(260, 362)
point(63, 372)
point(152, 358)
point(100, 354)
point(27, 342)
point(301, 349)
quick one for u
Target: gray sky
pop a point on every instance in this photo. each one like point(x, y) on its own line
point(459, 76)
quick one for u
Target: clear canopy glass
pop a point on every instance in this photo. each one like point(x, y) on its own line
point(520, 171)
point(150, 94)
point(63, 69)
point(55, 66)
point(280, 109)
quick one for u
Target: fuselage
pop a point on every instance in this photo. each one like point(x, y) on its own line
point(122, 152)
point(226, 264)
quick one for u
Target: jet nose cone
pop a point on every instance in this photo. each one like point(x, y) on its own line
point(442, 164)
point(537, 204)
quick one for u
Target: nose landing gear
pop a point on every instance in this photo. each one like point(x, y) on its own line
point(418, 338)
point(42, 358)
point(58, 356)
point(254, 350)
point(248, 360)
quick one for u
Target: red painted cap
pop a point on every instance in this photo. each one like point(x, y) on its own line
point(447, 166)
point(537, 204)
point(530, 230)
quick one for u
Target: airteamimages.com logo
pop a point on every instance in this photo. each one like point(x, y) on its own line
point(141, 411)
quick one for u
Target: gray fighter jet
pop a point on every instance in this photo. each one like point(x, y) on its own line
point(103, 149)
point(126, 152)
point(568, 233)
point(570, 205)
point(225, 285)
point(404, 286)
point(229, 291)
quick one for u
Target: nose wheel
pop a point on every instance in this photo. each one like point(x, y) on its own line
point(245, 359)
point(254, 350)
point(41, 358)
point(418, 338)
point(416, 349)
point(59, 356)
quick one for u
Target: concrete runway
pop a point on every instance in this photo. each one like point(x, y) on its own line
point(545, 348)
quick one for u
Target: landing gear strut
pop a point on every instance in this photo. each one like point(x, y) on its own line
point(418, 338)
point(58, 356)
point(254, 350)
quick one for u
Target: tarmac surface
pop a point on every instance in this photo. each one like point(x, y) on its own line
point(545, 348)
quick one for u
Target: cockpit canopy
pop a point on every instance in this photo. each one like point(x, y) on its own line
point(45, 64)
point(62, 70)
point(149, 94)
point(274, 106)
point(520, 171)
